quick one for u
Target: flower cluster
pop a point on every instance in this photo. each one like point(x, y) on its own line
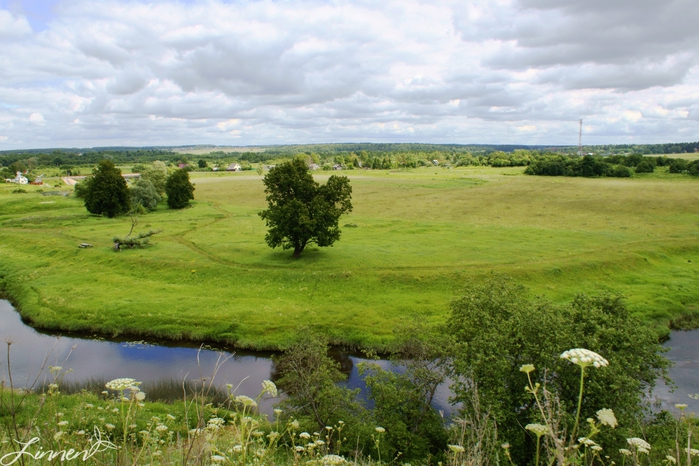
point(121, 384)
point(537, 429)
point(269, 388)
point(641, 445)
point(606, 417)
point(584, 357)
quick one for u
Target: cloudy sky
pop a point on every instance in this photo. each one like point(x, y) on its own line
point(81, 73)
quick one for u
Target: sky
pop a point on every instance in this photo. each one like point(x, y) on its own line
point(81, 73)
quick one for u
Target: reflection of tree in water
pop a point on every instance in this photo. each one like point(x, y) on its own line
point(341, 357)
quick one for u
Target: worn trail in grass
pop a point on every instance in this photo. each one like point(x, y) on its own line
point(411, 242)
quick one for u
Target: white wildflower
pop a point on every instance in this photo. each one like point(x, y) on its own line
point(527, 368)
point(319, 442)
point(584, 358)
point(681, 406)
point(140, 396)
point(640, 444)
point(299, 448)
point(121, 384)
point(606, 417)
point(537, 429)
point(305, 435)
point(58, 435)
point(63, 423)
point(273, 435)
point(245, 400)
point(238, 448)
point(586, 441)
point(671, 459)
point(109, 426)
point(457, 448)
point(218, 459)
point(331, 460)
point(625, 452)
point(171, 417)
point(596, 448)
point(161, 428)
point(278, 412)
point(380, 430)
point(691, 451)
point(269, 388)
point(295, 424)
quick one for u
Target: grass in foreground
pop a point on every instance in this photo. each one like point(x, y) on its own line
point(413, 239)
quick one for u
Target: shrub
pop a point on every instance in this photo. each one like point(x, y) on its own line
point(143, 194)
point(645, 167)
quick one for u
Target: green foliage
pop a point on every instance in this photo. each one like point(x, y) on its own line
point(81, 188)
point(300, 211)
point(179, 189)
point(311, 380)
point(156, 174)
point(202, 163)
point(107, 193)
point(498, 329)
point(403, 399)
point(143, 193)
point(645, 167)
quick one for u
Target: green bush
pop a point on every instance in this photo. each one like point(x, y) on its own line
point(179, 190)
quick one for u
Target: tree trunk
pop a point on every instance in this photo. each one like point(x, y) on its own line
point(297, 251)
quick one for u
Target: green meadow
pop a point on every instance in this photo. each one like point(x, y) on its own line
point(414, 238)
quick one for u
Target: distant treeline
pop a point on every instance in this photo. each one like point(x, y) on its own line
point(620, 166)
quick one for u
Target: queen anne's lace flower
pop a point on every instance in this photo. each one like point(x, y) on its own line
point(606, 417)
point(527, 368)
point(691, 451)
point(121, 384)
point(245, 400)
point(641, 445)
point(305, 435)
point(269, 387)
point(380, 430)
point(218, 459)
point(584, 357)
point(586, 441)
point(331, 460)
point(456, 448)
point(671, 459)
point(537, 429)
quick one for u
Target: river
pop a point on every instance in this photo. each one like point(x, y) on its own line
point(147, 361)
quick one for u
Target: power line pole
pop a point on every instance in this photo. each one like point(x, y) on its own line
point(580, 151)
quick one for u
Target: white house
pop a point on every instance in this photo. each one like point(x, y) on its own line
point(19, 179)
point(234, 167)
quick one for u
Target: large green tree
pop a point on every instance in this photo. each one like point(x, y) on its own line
point(107, 192)
point(497, 329)
point(179, 190)
point(300, 210)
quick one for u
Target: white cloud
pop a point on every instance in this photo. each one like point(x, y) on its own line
point(167, 72)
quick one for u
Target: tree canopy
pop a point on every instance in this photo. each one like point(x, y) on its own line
point(107, 193)
point(300, 210)
point(179, 189)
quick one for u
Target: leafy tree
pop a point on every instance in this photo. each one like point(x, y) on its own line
point(82, 187)
point(179, 189)
point(156, 174)
point(403, 398)
point(202, 163)
point(498, 329)
point(300, 210)
point(645, 167)
point(143, 193)
point(310, 379)
point(107, 192)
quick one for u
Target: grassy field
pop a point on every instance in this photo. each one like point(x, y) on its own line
point(415, 238)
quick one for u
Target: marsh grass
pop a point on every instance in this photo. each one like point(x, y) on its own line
point(419, 235)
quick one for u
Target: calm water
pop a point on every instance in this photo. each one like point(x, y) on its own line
point(144, 361)
point(102, 359)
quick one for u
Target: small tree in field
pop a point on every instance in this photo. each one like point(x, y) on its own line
point(179, 190)
point(300, 210)
point(107, 192)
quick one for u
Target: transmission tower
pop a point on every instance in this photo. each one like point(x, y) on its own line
point(580, 151)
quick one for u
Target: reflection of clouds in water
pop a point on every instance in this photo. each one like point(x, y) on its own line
point(684, 353)
point(99, 359)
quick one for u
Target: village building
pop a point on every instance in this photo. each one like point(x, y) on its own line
point(234, 167)
point(19, 179)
